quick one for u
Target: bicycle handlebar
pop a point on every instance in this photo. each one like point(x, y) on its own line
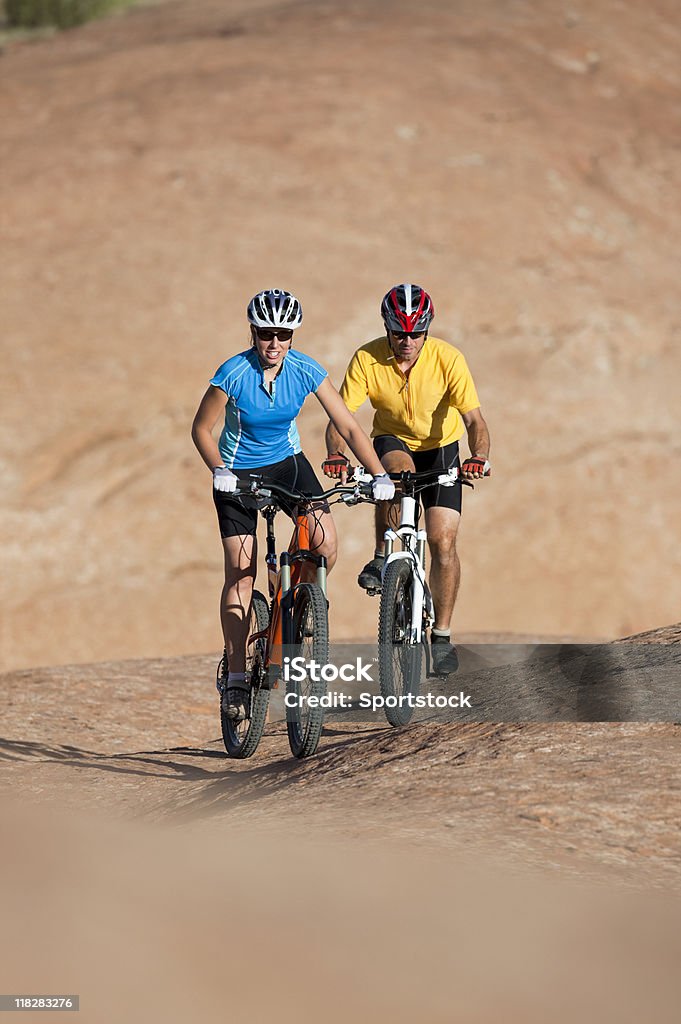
point(360, 490)
point(262, 488)
point(427, 477)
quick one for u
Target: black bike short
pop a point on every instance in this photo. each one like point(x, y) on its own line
point(238, 517)
point(434, 496)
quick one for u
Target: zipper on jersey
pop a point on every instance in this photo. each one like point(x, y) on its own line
point(407, 394)
point(272, 384)
point(269, 387)
point(410, 408)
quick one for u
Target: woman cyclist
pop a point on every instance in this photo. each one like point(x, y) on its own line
point(259, 393)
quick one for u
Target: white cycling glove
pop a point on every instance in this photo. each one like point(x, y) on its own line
point(382, 488)
point(224, 480)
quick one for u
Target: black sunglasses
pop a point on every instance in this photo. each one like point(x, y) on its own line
point(403, 335)
point(283, 334)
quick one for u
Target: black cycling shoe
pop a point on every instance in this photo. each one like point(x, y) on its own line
point(370, 577)
point(237, 702)
point(444, 658)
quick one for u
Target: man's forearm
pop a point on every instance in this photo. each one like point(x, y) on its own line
point(334, 441)
point(478, 439)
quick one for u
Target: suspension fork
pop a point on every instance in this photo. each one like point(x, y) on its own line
point(413, 548)
point(288, 578)
point(419, 587)
point(289, 573)
point(415, 553)
point(286, 599)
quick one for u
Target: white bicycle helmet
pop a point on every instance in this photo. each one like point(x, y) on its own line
point(275, 308)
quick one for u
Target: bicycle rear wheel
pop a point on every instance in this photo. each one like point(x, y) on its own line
point(399, 660)
point(241, 738)
point(311, 642)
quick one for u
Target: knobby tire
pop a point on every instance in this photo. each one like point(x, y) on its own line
point(241, 739)
point(310, 616)
point(399, 661)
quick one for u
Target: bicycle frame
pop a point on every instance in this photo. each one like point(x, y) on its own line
point(297, 617)
point(414, 547)
point(282, 585)
point(283, 582)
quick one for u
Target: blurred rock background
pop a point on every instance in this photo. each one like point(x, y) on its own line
point(519, 159)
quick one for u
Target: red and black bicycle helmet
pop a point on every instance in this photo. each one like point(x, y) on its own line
point(407, 307)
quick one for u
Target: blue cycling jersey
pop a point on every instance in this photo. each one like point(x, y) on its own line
point(260, 427)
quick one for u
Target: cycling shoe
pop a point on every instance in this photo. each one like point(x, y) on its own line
point(370, 577)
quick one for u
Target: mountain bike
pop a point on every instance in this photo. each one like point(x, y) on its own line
point(294, 621)
point(406, 610)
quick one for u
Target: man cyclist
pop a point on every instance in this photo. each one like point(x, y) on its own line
point(424, 399)
point(258, 393)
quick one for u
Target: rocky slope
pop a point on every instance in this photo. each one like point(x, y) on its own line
point(142, 739)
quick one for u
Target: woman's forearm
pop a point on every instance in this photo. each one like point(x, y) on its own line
point(206, 446)
point(211, 408)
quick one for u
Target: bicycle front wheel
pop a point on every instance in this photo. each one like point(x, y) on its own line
point(241, 737)
point(399, 660)
point(311, 642)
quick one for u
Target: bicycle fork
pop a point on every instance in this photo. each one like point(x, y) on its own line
point(421, 601)
point(288, 586)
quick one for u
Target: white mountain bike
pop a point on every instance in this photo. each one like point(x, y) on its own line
point(406, 610)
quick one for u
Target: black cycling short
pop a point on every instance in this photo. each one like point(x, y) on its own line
point(238, 517)
point(443, 459)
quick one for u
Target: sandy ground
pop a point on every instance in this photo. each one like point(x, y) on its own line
point(453, 872)
point(291, 923)
point(142, 739)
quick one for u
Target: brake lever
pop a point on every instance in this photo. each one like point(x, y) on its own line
point(252, 492)
point(360, 492)
point(360, 475)
point(449, 479)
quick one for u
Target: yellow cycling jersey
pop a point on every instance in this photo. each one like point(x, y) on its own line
point(423, 408)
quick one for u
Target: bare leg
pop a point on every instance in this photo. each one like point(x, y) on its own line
point(323, 541)
point(235, 603)
point(442, 525)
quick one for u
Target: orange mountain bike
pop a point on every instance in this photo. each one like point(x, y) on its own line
point(295, 621)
